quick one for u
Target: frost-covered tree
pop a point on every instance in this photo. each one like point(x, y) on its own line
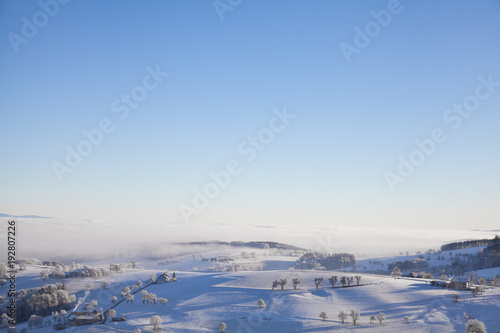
point(5, 321)
point(156, 322)
point(396, 272)
point(44, 274)
point(126, 290)
point(162, 300)
point(342, 316)
point(475, 326)
point(355, 316)
point(295, 282)
point(111, 313)
point(333, 279)
point(358, 278)
point(105, 284)
point(130, 298)
point(89, 285)
point(372, 319)
point(381, 317)
point(139, 284)
point(407, 319)
point(317, 282)
point(455, 297)
point(496, 281)
point(152, 278)
point(261, 304)
point(482, 281)
point(114, 299)
point(323, 316)
point(444, 277)
point(222, 327)
point(144, 294)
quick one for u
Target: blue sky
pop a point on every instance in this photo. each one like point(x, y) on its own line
point(327, 167)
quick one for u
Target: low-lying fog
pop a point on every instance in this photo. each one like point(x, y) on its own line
point(46, 238)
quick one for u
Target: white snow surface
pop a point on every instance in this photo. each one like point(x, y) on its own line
point(200, 300)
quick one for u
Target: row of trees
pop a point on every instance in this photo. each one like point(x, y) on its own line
point(355, 315)
point(344, 280)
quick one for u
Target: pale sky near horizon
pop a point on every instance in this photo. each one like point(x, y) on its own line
point(68, 68)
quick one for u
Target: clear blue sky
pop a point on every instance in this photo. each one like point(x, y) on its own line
point(328, 166)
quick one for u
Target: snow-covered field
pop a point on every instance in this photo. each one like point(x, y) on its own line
point(200, 299)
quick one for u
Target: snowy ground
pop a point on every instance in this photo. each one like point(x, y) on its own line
point(200, 300)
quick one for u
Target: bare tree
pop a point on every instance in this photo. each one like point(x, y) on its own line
point(295, 282)
point(372, 319)
point(282, 283)
point(350, 280)
point(317, 282)
point(342, 316)
point(355, 316)
point(275, 284)
point(333, 280)
point(455, 297)
point(323, 316)
point(343, 281)
point(381, 317)
point(358, 278)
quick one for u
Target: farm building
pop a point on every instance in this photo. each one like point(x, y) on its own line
point(162, 278)
point(84, 318)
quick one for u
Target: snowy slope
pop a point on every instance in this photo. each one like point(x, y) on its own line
point(199, 301)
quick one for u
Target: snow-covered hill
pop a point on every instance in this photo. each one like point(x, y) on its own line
point(201, 299)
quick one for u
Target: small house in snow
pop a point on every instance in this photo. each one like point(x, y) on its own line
point(162, 278)
point(462, 284)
